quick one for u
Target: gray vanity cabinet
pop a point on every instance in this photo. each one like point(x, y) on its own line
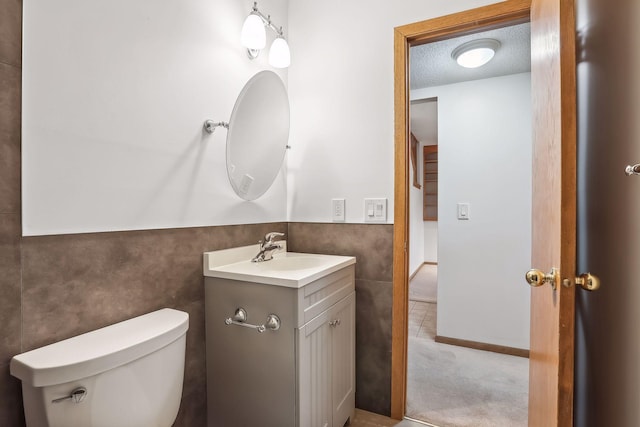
point(326, 369)
point(300, 375)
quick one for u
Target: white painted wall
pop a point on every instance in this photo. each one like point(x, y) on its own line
point(114, 97)
point(341, 91)
point(430, 239)
point(484, 158)
point(416, 223)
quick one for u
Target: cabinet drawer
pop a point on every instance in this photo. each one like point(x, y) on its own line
point(318, 296)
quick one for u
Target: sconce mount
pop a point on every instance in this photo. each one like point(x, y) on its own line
point(210, 126)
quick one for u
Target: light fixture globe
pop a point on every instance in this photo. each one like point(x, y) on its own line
point(279, 54)
point(253, 35)
point(475, 53)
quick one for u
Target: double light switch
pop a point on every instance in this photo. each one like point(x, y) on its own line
point(375, 210)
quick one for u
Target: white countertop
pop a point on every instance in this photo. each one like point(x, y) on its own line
point(289, 269)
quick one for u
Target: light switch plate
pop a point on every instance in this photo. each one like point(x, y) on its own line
point(375, 210)
point(463, 211)
point(337, 210)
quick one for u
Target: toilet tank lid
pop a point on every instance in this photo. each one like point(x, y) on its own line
point(100, 350)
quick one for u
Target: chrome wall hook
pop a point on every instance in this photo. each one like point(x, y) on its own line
point(210, 126)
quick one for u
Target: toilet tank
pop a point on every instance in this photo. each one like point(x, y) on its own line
point(132, 372)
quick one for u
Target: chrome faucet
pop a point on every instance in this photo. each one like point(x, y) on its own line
point(267, 247)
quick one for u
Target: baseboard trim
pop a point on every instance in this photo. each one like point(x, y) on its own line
point(520, 352)
point(418, 269)
point(417, 421)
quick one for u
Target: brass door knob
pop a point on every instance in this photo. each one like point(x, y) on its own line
point(537, 277)
point(588, 281)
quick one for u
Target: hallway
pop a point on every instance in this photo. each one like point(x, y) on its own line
point(452, 386)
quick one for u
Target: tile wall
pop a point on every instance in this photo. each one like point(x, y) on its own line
point(76, 283)
point(372, 245)
point(54, 287)
point(71, 284)
point(10, 228)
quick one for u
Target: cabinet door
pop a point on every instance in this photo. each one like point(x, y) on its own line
point(343, 351)
point(314, 373)
point(326, 366)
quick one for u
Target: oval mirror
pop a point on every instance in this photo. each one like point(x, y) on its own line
point(258, 135)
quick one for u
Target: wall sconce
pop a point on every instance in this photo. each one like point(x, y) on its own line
point(475, 53)
point(254, 38)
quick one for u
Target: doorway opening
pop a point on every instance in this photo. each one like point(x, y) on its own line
point(417, 36)
point(471, 126)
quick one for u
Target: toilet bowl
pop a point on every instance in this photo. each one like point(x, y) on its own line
point(129, 374)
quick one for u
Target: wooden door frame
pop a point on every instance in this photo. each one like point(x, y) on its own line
point(496, 15)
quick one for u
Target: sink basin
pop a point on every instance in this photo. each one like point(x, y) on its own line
point(290, 269)
point(290, 261)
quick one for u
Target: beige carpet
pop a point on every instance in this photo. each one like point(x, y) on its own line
point(452, 386)
point(424, 285)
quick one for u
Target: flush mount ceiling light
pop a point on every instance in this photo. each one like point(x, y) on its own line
point(475, 53)
point(254, 37)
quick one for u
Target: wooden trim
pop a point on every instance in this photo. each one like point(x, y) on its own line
point(568, 99)
point(492, 16)
point(496, 15)
point(414, 161)
point(513, 351)
point(553, 82)
point(400, 305)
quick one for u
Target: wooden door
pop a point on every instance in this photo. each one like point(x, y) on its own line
point(554, 194)
point(553, 71)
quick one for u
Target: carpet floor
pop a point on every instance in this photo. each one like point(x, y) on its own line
point(424, 285)
point(451, 386)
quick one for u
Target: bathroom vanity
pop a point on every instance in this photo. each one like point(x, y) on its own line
point(280, 339)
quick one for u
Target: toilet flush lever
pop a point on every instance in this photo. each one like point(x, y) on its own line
point(76, 396)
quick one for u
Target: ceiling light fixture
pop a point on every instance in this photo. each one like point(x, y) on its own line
point(475, 53)
point(253, 37)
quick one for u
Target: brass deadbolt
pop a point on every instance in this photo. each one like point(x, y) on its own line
point(586, 281)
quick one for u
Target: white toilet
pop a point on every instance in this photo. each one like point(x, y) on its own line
point(125, 375)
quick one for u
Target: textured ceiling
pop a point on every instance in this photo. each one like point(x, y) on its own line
point(431, 64)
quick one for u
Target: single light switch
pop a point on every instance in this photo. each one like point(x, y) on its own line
point(463, 211)
point(337, 210)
